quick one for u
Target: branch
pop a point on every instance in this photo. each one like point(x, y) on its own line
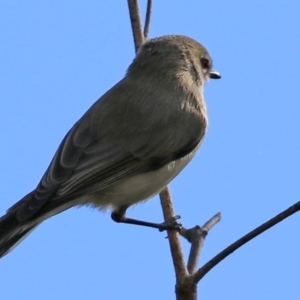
point(165, 198)
point(136, 24)
point(196, 237)
point(186, 289)
point(174, 240)
point(148, 17)
point(243, 240)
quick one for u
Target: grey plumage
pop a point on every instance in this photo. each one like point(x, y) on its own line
point(130, 144)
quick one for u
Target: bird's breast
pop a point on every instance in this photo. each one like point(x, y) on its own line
point(138, 188)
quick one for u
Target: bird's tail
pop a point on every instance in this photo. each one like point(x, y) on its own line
point(12, 232)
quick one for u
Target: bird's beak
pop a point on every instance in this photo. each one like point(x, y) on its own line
point(214, 74)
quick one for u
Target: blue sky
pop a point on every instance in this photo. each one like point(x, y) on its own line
point(57, 58)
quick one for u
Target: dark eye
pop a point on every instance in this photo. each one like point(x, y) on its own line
point(205, 64)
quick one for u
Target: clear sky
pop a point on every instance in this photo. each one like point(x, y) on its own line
point(58, 57)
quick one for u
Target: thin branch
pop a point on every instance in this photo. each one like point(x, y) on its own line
point(136, 24)
point(243, 240)
point(196, 237)
point(165, 197)
point(148, 17)
point(174, 238)
point(212, 222)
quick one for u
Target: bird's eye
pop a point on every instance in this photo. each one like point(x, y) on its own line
point(205, 63)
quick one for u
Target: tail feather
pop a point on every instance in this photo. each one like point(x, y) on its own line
point(12, 233)
point(13, 230)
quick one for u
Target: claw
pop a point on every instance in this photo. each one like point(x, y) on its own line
point(171, 224)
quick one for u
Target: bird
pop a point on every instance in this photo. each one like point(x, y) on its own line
point(129, 144)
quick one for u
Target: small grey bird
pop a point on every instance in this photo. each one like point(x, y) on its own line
point(129, 145)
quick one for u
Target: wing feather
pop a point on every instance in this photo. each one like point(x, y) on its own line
point(117, 138)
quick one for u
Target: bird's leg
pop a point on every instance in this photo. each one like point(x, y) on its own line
point(119, 216)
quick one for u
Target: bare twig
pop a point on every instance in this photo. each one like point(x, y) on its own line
point(165, 197)
point(196, 237)
point(174, 240)
point(136, 24)
point(148, 17)
point(243, 240)
point(212, 222)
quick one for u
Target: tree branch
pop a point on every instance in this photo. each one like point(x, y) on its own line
point(165, 197)
point(174, 240)
point(196, 237)
point(243, 240)
point(136, 24)
point(148, 17)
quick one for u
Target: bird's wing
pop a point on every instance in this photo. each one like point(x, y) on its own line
point(117, 137)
